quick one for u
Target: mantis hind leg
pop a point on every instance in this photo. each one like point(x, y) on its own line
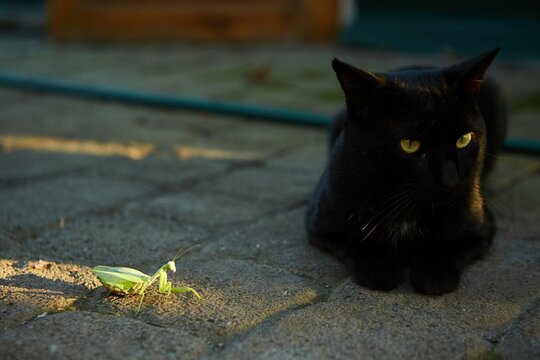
point(183, 289)
point(166, 287)
point(140, 301)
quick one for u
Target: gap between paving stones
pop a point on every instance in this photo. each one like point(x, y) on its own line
point(14, 182)
point(496, 336)
point(515, 342)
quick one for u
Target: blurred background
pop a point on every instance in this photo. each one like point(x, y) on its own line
point(416, 25)
point(271, 55)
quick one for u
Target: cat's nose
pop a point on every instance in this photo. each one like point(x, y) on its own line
point(449, 175)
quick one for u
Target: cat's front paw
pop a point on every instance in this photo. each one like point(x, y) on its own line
point(377, 275)
point(434, 277)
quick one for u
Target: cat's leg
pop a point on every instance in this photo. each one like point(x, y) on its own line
point(378, 273)
point(369, 266)
point(374, 266)
point(437, 268)
point(433, 273)
point(476, 245)
point(326, 242)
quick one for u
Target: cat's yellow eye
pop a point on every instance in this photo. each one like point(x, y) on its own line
point(409, 146)
point(464, 140)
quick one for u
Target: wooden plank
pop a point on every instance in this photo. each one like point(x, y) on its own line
point(208, 20)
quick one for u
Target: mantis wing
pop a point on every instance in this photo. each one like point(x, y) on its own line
point(120, 280)
point(122, 274)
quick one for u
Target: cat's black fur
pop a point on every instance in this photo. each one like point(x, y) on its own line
point(381, 210)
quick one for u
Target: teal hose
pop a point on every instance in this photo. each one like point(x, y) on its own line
point(522, 146)
point(153, 99)
point(186, 103)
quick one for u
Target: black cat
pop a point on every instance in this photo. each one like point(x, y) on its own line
point(402, 187)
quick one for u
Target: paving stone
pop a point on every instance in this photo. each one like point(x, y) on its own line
point(6, 242)
point(21, 165)
point(516, 248)
point(165, 171)
point(279, 241)
point(267, 186)
point(94, 336)
point(201, 207)
point(311, 157)
point(41, 203)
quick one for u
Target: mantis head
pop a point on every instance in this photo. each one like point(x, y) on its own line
point(172, 266)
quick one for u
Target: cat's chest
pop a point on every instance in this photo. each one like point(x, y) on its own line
point(406, 230)
point(418, 227)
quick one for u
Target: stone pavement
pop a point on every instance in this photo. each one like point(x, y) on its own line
point(84, 183)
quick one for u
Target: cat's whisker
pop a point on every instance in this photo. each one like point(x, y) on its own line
point(389, 196)
point(371, 208)
point(421, 229)
point(394, 188)
point(417, 199)
point(452, 204)
point(393, 228)
point(396, 199)
point(495, 156)
point(393, 213)
point(382, 199)
point(496, 203)
point(387, 206)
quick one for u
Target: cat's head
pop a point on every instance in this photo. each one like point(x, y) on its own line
point(418, 125)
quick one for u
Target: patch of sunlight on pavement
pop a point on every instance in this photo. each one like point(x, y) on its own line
point(134, 151)
point(189, 152)
point(36, 143)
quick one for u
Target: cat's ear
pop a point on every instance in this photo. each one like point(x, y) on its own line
point(358, 86)
point(469, 75)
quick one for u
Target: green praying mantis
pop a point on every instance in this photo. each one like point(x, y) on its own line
point(128, 281)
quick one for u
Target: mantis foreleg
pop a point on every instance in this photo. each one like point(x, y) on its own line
point(164, 285)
